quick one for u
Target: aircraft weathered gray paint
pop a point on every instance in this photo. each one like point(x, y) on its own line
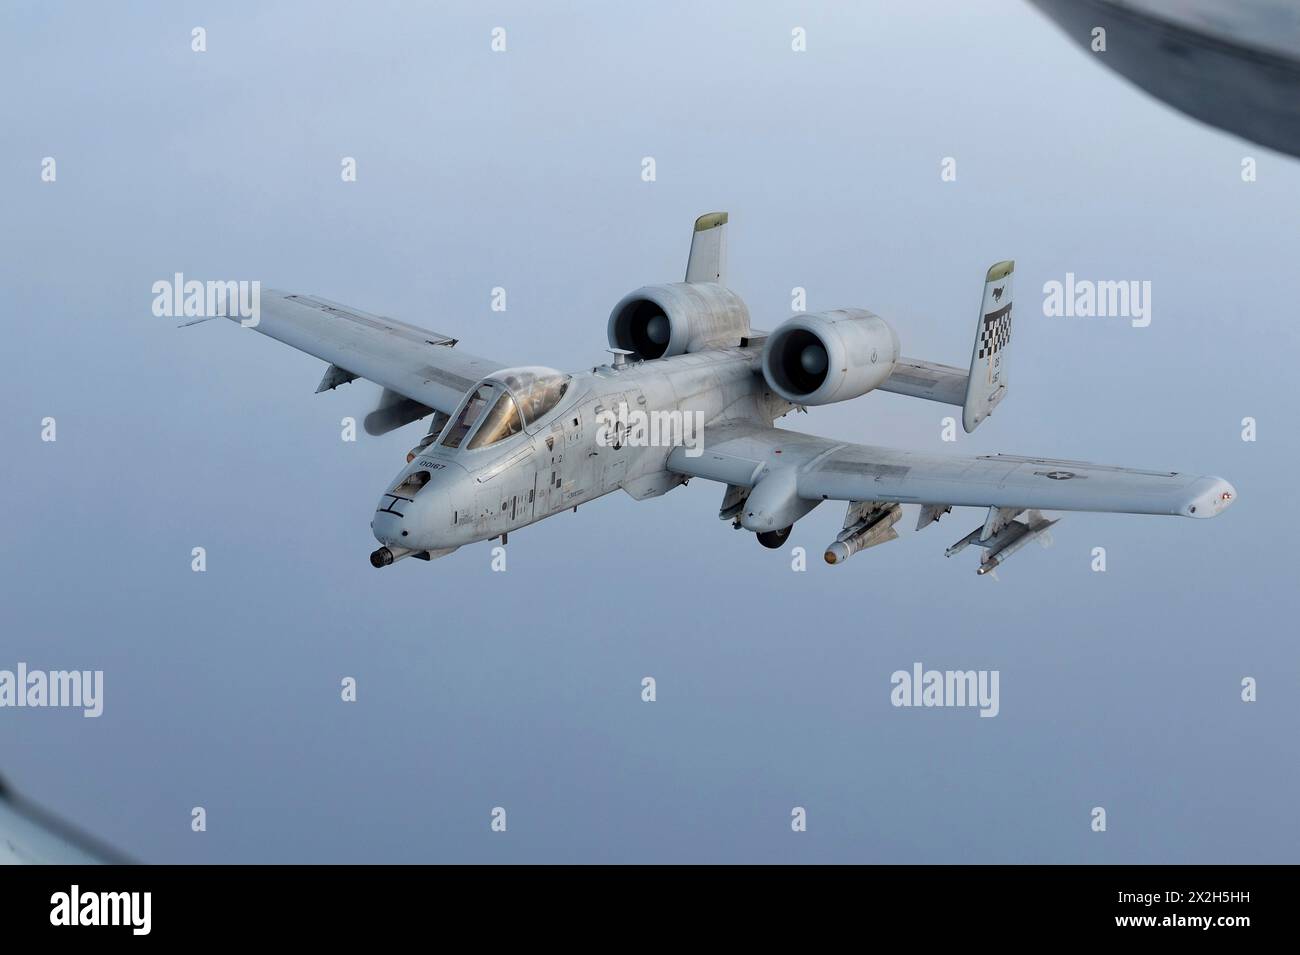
point(511, 446)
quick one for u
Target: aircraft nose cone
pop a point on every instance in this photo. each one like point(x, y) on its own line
point(415, 512)
point(387, 527)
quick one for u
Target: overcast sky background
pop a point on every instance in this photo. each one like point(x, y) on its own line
point(522, 690)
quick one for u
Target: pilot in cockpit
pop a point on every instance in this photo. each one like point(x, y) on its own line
point(497, 408)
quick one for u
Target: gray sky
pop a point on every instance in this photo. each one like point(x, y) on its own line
point(478, 689)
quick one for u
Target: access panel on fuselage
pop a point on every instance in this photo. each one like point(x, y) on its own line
point(556, 449)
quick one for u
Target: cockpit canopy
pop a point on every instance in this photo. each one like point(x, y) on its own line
point(504, 404)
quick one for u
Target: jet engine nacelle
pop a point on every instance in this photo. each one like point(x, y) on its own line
point(830, 356)
point(663, 320)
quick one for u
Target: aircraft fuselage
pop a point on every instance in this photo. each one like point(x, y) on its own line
point(562, 460)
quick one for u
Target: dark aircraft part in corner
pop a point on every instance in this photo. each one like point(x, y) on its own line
point(1232, 65)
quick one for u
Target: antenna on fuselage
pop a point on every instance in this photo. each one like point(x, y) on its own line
point(620, 357)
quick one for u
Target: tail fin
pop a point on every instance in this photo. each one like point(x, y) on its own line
point(986, 384)
point(708, 261)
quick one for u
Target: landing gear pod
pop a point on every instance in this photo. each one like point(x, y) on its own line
point(774, 539)
point(774, 505)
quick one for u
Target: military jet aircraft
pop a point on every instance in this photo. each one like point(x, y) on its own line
point(509, 446)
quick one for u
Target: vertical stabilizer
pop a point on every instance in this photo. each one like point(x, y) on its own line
point(708, 261)
point(986, 384)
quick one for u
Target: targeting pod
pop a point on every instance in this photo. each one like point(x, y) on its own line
point(867, 524)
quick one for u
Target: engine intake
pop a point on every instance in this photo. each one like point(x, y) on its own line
point(659, 321)
point(830, 356)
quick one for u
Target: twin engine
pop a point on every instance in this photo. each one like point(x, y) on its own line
point(812, 359)
point(660, 321)
point(825, 357)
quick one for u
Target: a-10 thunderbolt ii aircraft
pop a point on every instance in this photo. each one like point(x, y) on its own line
point(509, 446)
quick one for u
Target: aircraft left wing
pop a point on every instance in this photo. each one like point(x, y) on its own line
point(781, 466)
point(418, 365)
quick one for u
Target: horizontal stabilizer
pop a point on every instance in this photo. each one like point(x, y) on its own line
point(929, 380)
